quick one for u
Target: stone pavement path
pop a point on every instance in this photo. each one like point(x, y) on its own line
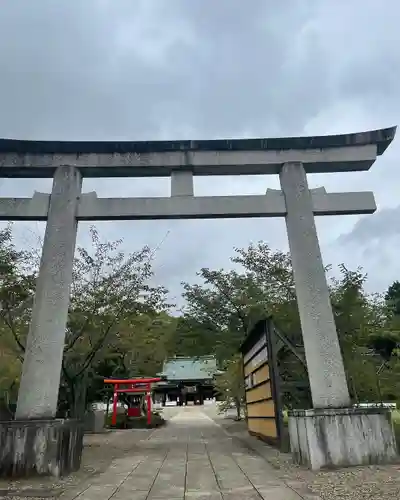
point(191, 458)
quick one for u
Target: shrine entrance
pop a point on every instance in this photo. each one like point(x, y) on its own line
point(293, 159)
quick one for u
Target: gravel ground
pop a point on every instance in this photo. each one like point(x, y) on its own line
point(99, 451)
point(356, 483)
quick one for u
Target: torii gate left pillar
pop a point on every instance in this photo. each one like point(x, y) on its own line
point(45, 342)
point(36, 442)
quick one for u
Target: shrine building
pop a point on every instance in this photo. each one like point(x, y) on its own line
point(186, 380)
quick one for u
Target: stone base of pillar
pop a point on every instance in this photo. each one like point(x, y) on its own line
point(40, 447)
point(326, 438)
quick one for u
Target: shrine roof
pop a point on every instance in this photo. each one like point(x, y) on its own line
point(185, 368)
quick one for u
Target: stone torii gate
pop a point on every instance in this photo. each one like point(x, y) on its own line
point(291, 158)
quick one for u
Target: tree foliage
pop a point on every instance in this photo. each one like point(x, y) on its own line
point(227, 303)
point(230, 386)
point(17, 282)
point(119, 323)
point(392, 298)
point(114, 314)
point(111, 307)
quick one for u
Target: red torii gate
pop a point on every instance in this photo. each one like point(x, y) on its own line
point(138, 386)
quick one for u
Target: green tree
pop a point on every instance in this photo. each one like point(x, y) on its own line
point(144, 342)
point(384, 345)
point(138, 350)
point(228, 303)
point(17, 284)
point(222, 308)
point(392, 298)
point(111, 300)
point(230, 386)
point(367, 335)
point(117, 324)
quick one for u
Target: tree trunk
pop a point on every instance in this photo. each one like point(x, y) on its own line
point(238, 409)
point(78, 409)
point(5, 413)
point(107, 410)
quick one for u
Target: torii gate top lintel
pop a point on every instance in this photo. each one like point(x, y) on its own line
point(319, 154)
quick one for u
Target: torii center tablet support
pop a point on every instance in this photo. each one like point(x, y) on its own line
point(291, 158)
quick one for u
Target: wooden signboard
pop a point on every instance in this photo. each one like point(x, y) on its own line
point(264, 416)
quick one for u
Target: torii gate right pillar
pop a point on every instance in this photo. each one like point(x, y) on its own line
point(324, 359)
point(332, 433)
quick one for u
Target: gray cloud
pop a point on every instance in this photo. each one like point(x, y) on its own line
point(150, 69)
point(376, 228)
point(373, 241)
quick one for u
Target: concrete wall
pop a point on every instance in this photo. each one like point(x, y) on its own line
point(322, 438)
point(41, 447)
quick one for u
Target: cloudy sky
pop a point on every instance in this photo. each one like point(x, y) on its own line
point(205, 69)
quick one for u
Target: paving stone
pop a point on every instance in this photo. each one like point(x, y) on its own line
point(166, 490)
point(192, 495)
point(244, 492)
point(97, 493)
point(264, 482)
point(251, 495)
point(200, 476)
point(279, 493)
point(133, 495)
point(189, 459)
